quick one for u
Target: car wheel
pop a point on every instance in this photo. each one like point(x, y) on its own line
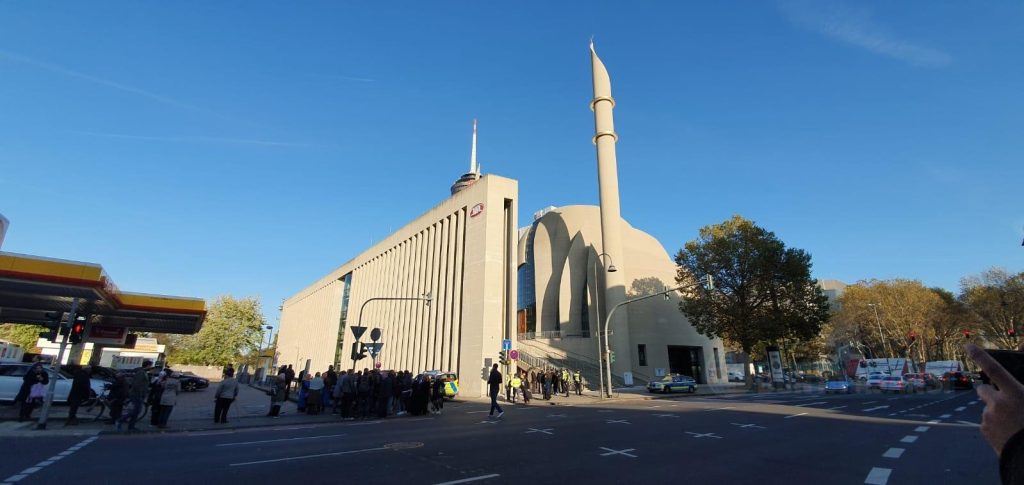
point(189, 386)
point(664, 390)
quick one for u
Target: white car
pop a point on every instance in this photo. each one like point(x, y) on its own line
point(897, 384)
point(12, 375)
point(736, 376)
point(875, 379)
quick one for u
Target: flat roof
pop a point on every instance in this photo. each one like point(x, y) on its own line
point(32, 286)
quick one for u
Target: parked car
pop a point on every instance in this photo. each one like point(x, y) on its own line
point(838, 384)
point(736, 376)
point(875, 379)
point(957, 380)
point(673, 382)
point(897, 384)
point(12, 375)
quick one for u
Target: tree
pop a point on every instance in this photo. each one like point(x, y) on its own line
point(24, 335)
point(997, 300)
point(890, 318)
point(231, 330)
point(763, 291)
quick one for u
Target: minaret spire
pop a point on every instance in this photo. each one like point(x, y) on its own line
point(473, 167)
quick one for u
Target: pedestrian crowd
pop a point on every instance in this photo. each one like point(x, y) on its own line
point(365, 394)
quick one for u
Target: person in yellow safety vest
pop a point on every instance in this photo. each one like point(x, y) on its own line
point(565, 382)
point(578, 381)
point(516, 384)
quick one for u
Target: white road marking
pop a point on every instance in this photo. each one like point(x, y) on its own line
point(868, 402)
point(878, 476)
point(910, 438)
point(961, 408)
point(618, 452)
point(489, 421)
point(467, 480)
point(836, 407)
point(617, 421)
point(288, 428)
point(921, 429)
point(281, 439)
point(934, 421)
point(876, 408)
point(945, 416)
point(556, 415)
point(747, 425)
point(43, 464)
point(542, 430)
point(893, 453)
point(810, 404)
point(703, 435)
point(969, 423)
point(303, 457)
point(972, 403)
point(795, 415)
point(666, 415)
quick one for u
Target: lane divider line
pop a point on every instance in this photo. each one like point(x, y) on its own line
point(921, 429)
point(893, 453)
point(303, 457)
point(878, 476)
point(49, 461)
point(910, 438)
point(467, 480)
point(281, 439)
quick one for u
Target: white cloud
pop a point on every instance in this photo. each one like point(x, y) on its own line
point(854, 26)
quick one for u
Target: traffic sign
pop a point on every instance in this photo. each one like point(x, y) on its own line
point(506, 344)
point(375, 334)
point(358, 332)
point(374, 348)
point(513, 354)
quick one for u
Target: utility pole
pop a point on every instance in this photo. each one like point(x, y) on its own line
point(55, 367)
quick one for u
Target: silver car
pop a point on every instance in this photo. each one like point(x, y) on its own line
point(13, 374)
point(838, 385)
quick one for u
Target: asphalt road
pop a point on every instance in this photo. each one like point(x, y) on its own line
point(764, 439)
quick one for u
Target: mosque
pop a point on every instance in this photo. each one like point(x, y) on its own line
point(461, 285)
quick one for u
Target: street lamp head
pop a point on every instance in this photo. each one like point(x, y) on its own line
point(269, 327)
point(612, 268)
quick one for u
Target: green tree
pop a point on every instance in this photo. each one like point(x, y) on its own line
point(763, 291)
point(996, 298)
point(231, 330)
point(23, 335)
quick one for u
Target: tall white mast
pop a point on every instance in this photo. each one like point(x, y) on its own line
point(473, 167)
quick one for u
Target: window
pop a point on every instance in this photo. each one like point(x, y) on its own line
point(641, 352)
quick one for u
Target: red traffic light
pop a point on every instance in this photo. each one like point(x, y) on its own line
point(1011, 332)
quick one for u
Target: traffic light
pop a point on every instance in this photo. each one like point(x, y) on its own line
point(611, 357)
point(358, 351)
point(53, 326)
point(1012, 332)
point(967, 333)
point(77, 332)
point(912, 336)
point(503, 357)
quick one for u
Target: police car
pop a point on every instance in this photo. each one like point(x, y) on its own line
point(673, 382)
point(451, 382)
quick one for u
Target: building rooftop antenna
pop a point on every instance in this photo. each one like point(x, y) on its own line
point(473, 167)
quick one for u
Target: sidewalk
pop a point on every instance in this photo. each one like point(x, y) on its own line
point(194, 411)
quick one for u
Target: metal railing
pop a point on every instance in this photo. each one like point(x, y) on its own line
point(552, 334)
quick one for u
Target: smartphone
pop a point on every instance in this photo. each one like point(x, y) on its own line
point(1012, 360)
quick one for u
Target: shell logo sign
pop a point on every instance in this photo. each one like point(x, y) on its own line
point(476, 210)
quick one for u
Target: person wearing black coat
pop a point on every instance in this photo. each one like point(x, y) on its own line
point(35, 374)
point(79, 393)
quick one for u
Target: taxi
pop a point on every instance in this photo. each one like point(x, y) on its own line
point(673, 382)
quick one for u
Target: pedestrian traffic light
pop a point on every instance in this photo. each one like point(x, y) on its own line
point(358, 351)
point(77, 332)
point(53, 326)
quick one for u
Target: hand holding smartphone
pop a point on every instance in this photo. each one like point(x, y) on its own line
point(1011, 360)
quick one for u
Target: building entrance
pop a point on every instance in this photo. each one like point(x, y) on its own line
point(687, 361)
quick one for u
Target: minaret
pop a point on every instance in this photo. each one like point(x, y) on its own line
point(611, 221)
point(469, 178)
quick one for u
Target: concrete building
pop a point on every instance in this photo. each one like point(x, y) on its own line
point(461, 252)
point(545, 287)
point(561, 305)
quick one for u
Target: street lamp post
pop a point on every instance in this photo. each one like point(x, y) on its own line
point(597, 304)
point(608, 319)
point(885, 344)
point(259, 355)
point(359, 323)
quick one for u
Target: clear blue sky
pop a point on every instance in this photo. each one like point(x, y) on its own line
point(203, 148)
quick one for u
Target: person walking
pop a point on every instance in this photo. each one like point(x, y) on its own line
point(226, 394)
point(516, 384)
point(278, 392)
point(289, 376)
point(34, 381)
point(227, 368)
point(494, 381)
point(169, 397)
point(79, 393)
point(137, 393)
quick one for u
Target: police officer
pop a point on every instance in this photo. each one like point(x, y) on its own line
point(578, 380)
point(516, 384)
point(565, 382)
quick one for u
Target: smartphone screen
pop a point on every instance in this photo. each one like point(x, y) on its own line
point(1012, 360)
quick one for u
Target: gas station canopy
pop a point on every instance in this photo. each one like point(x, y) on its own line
point(32, 286)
